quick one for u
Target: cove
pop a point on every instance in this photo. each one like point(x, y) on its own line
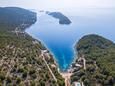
point(61, 39)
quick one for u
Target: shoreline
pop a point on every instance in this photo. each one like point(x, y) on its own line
point(55, 60)
point(73, 55)
point(64, 73)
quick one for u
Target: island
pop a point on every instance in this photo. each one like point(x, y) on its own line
point(24, 61)
point(95, 64)
point(62, 18)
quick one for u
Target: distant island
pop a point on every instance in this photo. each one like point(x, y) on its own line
point(95, 64)
point(62, 18)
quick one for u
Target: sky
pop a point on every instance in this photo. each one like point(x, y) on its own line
point(58, 4)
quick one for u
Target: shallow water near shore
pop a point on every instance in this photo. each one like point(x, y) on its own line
point(61, 39)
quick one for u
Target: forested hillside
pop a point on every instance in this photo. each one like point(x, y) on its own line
point(99, 53)
point(21, 63)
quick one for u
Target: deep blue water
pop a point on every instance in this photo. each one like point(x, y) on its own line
point(61, 39)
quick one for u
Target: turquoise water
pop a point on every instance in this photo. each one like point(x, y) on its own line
point(61, 39)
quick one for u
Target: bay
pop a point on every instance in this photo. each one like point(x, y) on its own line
point(61, 39)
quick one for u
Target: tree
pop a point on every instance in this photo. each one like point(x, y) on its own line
point(86, 82)
point(24, 75)
point(42, 83)
point(2, 77)
point(18, 80)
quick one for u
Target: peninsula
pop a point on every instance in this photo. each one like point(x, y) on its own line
point(24, 61)
point(95, 65)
